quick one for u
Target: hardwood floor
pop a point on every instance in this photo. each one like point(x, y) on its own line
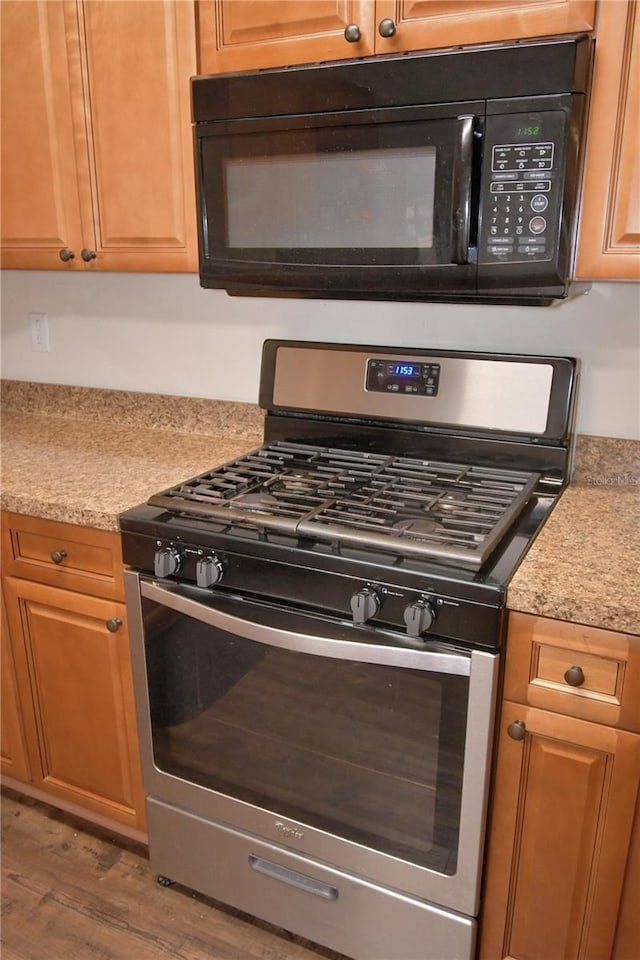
point(73, 891)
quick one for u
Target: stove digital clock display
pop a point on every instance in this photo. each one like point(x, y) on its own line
point(407, 377)
point(406, 370)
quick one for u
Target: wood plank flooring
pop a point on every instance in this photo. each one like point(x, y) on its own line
point(73, 891)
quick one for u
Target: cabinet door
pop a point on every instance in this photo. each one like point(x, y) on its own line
point(248, 34)
point(560, 828)
point(97, 156)
point(40, 78)
point(12, 740)
point(609, 240)
point(140, 205)
point(75, 672)
point(425, 24)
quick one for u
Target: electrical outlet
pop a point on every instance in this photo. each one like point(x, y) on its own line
point(39, 332)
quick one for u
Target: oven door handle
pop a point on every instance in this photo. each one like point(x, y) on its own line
point(364, 650)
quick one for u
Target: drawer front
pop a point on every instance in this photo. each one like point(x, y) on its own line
point(585, 675)
point(63, 555)
point(575, 670)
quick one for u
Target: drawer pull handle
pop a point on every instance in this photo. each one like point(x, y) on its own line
point(574, 676)
point(65, 254)
point(58, 555)
point(517, 730)
point(352, 33)
point(114, 624)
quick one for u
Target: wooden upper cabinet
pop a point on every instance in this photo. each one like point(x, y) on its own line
point(250, 34)
point(424, 24)
point(140, 55)
point(97, 154)
point(38, 176)
point(609, 239)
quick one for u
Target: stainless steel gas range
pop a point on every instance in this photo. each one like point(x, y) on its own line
point(316, 634)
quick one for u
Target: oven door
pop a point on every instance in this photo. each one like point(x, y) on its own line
point(335, 741)
point(361, 201)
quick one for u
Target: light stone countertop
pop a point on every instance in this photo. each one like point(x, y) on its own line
point(83, 456)
point(584, 566)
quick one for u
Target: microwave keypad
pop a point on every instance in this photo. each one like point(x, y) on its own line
point(516, 214)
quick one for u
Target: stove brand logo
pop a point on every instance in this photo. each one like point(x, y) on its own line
point(289, 831)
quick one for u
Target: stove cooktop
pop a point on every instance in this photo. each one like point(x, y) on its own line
point(450, 512)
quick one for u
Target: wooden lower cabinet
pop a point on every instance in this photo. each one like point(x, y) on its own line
point(561, 825)
point(13, 748)
point(563, 833)
point(68, 715)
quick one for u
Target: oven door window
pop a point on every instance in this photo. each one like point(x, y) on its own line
point(378, 194)
point(368, 752)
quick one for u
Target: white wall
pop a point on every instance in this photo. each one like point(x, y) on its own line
point(162, 333)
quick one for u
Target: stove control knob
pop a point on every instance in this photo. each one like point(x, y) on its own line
point(208, 571)
point(166, 562)
point(364, 605)
point(418, 617)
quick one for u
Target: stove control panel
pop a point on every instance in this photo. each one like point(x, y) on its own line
point(403, 377)
point(192, 563)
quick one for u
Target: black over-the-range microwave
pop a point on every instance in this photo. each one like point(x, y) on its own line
point(445, 175)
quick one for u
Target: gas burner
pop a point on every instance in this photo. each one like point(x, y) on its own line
point(419, 527)
point(261, 502)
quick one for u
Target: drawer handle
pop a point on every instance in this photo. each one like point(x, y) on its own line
point(114, 624)
point(58, 555)
point(574, 676)
point(517, 730)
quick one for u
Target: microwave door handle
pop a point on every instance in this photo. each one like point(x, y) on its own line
point(461, 201)
point(262, 632)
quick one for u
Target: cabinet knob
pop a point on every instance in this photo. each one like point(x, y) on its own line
point(352, 33)
point(517, 730)
point(574, 676)
point(114, 624)
point(386, 28)
point(87, 255)
point(58, 555)
point(66, 254)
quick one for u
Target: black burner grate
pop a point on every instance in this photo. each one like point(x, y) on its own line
point(452, 512)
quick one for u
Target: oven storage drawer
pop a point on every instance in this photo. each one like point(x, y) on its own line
point(355, 917)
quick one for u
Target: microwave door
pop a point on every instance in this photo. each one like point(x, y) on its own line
point(376, 208)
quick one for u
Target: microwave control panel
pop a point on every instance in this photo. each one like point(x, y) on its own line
point(522, 187)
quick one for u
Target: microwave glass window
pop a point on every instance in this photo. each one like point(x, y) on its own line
point(359, 198)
